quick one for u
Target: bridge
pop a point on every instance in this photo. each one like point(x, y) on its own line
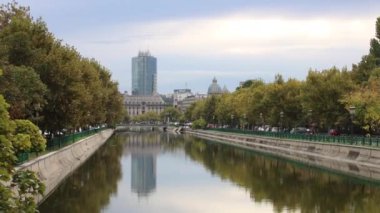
point(140, 127)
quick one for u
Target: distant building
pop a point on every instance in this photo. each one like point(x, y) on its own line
point(179, 95)
point(144, 74)
point(168, 99)
point(137, 105)
point(214, 88)
point(225, 90)
point(186, 103)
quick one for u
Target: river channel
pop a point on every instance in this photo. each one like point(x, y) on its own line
point(161, 172)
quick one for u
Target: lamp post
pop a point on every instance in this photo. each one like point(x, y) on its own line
point(310, 113)
point(244, 119)
point(261, 119)
point(352, 111)
point(167, 118)
point(281, 118)
point(232, 120)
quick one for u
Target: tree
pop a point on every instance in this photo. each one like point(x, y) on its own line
point(223, 109)
point(209, 109)
point(17, 188)
point(71, 91)
point(24, 91)
point(172, 113)
point(323, 92)
point(365, 96)
point(366, 101)
point(362, 71)
point(27, 128)
point(148, 116)
point(199, 124)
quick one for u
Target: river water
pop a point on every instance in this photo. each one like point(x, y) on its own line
point(159, 172)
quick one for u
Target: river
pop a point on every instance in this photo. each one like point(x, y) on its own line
point(160, 172)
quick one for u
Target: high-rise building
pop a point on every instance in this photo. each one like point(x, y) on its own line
point(144, 74)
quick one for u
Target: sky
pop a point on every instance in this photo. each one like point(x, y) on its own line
point(197, 40)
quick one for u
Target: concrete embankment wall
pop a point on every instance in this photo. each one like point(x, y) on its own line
point(363, 162)
point(54, 167)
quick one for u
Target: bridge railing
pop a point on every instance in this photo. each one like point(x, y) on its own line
point(58, 142)
point(344, 139)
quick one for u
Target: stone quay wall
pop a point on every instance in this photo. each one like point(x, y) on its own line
point(54, 167)
point(358, 161)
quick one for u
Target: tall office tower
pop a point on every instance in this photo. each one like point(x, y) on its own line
point(144, 74)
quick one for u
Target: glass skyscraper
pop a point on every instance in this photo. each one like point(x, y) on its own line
point(144, 74)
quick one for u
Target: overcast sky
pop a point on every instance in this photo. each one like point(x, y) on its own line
point(196, 40)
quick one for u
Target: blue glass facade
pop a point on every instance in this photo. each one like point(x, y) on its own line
point(144, 74)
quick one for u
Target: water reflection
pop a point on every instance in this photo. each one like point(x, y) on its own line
point(188, 174)
point(91, 186)
point(287, 185)
point(143, 162)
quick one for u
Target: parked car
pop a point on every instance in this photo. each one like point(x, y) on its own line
point(334, 132)
point(275, 129)
point(299, 130)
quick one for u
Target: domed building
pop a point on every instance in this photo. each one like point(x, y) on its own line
point(214, 88)
point(225, 90)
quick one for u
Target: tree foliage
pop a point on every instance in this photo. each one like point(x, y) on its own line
point(365, 98)
point(199, 124)
point(17, 188)
point(171, 113)
point(49, 82)
point(147, 117)
point(24, 91)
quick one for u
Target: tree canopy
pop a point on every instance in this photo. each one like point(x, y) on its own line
point(17, 188)
point(49, 82)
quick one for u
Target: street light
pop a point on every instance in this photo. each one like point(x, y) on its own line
point(232, 120)
point(352, 111)
point(244, 118)
point(281, 116)
point(167, 117)
point(261, 119)
point(310, 113)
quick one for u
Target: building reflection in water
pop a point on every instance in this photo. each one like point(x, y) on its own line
point(143, 162)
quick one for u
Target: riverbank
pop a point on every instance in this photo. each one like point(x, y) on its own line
point(54, 167)
point(353, 160)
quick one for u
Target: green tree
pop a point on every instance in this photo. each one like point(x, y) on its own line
point(322, 93)
point(366, 101)
point(148, 116)
point(172, 113)
point(37, 141)
point(17, 188)
point(78, 91)
point(362, 71)
point(224, 109)
point(24, 91)
point(209, 108)
point(199, 124)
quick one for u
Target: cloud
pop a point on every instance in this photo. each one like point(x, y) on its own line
point(231, 35)
point(241, 45)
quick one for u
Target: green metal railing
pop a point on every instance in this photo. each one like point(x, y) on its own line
point(344, 139)
point(58, 143)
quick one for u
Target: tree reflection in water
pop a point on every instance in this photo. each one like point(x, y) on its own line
point(288, 186)
point(90, 187)
point(285, 185)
